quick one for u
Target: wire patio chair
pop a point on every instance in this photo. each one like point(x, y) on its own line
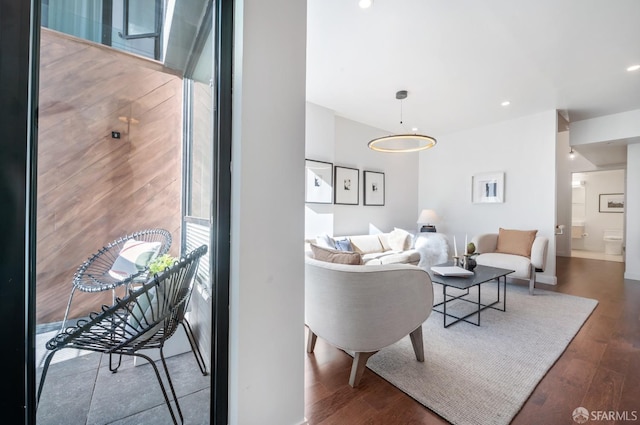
point(93, 275)
point(146, 318)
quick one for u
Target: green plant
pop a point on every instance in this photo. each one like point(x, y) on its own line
point(160, 263)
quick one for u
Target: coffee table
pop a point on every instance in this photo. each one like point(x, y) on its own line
point(481, 274)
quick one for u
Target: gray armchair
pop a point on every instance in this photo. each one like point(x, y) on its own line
point(362, 309)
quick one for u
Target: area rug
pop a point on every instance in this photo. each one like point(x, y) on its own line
point(483, 375)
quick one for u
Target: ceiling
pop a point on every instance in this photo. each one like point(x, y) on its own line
point(460, 59)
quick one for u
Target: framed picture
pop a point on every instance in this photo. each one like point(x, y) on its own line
point(318, 182)
point(611, 203)
point(373, 188)
point(487, 188)
point(347, 185)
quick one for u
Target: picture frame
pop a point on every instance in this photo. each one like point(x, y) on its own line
point(347, 185)
point(374, 190)
point(611, 203)
point(318, 182)
point(487, 188)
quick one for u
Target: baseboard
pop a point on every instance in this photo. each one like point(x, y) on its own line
point(632, 276)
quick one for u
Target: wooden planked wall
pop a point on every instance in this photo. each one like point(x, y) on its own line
point(92, 188)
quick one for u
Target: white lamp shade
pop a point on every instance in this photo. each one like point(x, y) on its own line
point(427, 217)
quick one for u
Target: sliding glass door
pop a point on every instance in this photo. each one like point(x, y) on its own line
point(206, 204)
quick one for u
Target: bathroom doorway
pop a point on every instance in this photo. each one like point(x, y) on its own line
point(598, 215)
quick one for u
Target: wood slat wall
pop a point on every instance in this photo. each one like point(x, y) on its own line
point(93, 189)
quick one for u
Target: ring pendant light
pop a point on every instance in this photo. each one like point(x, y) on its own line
point(398, 143)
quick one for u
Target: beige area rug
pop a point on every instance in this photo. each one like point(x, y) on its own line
point(483, 375)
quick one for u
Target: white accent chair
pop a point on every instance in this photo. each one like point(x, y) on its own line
point(362, 309)
point(525, 267)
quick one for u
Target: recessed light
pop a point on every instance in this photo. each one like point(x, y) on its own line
point(505, 103)
point(633, 68)
point(365, 4)
point(414, 129)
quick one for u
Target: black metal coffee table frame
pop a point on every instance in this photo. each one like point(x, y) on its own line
point(482, 274)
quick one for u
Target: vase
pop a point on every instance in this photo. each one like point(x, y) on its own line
point(468, 263)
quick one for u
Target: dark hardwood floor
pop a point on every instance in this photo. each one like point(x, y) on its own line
point(600, 370)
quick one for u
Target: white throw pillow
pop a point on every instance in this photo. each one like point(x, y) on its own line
point(134, 257)
point(412, 237)
point(399, 240)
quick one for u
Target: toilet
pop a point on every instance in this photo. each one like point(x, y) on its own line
point(613, 242)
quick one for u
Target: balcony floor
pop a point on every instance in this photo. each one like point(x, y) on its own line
point(80, 389)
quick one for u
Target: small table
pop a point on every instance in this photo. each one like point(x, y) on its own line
point(481, 274)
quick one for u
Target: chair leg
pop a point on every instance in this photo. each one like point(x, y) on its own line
point(173, 391)
point(418, 344)
point(66, 313)
point(45, 368)
point(111, 367)
point(532, 278)
point(311, 341)
point(162, 387)
point(194, 346)
point(358, 366)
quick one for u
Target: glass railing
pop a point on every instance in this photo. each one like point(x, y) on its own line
point(133, 26)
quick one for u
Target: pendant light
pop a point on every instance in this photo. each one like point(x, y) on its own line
point(397, 143)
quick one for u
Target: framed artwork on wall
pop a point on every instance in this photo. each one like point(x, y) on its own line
point(373, 188)
point(318, 182)
point(347, 185)
point(611, 203)
point(487, 188)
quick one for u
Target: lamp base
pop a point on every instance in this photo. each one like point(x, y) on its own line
point(428, 228)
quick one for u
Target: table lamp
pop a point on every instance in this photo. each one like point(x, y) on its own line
point(427, 218)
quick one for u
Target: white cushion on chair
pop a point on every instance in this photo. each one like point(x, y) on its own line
point(133, 258)
point(520, 264)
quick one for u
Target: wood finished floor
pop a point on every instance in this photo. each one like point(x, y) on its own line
point(600, 370)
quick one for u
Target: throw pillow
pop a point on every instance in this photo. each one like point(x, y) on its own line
point(334, 256)
point(517, 242)
point(325, 241)
point(412, 237)
point(344, 245)
point(399, 239)
point(133, 258)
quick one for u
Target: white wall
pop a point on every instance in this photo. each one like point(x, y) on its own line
point(266, 370)
point(524, 149)
point(596, 222)
point(319, 146)
point(347, 147)
point(625, 125)
point(563, 193)
point(632, 258)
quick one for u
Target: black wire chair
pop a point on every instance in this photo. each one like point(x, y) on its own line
point(93, 275)
point(144, 319)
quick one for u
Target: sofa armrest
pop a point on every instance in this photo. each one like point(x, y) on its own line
point(485, 242)
point(539, 252)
